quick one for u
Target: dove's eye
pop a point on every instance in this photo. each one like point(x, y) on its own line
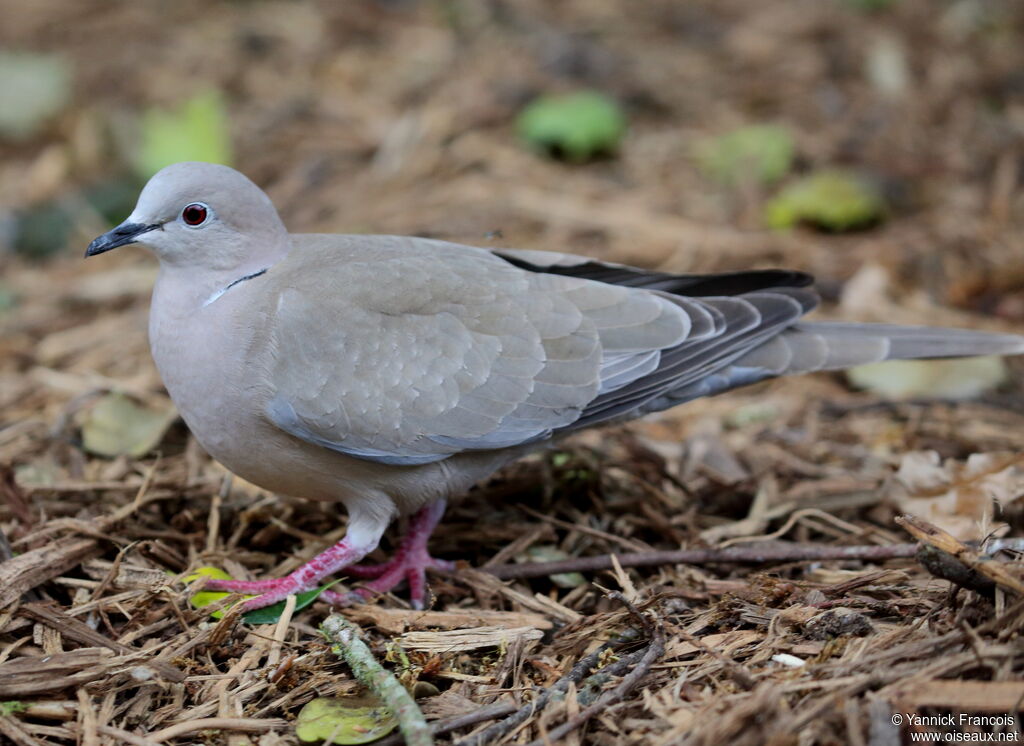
point(195, 214)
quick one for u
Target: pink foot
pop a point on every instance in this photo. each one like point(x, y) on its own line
point(305, 578)
point(410, 563)
point(411, 568)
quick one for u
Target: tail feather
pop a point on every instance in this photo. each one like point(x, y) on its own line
point(812, 346)
point(816, 346)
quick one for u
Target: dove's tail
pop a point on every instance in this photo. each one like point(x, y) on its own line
point(811, 346)
point(817, 346)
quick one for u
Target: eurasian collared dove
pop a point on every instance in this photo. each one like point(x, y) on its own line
point(389, 373)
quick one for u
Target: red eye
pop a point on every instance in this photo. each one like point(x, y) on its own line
point(194, 214)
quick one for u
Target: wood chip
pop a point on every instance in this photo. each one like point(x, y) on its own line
point(37, 566)
point(725, 642)
point(457, 640)
point(36, 675)
point(996, 697)
point(397, 621)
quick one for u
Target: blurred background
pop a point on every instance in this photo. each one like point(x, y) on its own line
point(875, 143)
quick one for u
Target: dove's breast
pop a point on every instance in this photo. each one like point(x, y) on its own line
point(213, 360)
point(203, 355)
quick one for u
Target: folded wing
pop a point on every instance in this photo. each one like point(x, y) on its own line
point(406, 351)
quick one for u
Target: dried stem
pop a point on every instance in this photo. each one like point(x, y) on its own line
point(244, 725)
point(765, 553)
point(347, 644)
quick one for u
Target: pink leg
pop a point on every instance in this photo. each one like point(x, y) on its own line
point(364, 533)
point(410, 563)
point(303, 579)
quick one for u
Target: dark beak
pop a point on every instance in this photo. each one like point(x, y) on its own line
point(125, 233)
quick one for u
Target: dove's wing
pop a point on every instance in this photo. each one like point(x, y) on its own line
point(405, 351)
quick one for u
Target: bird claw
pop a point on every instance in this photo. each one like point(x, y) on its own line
point(410, 565)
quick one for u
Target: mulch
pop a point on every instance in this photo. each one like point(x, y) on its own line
point(804, 611)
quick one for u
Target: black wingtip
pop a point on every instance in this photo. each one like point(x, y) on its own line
point(737, 283)
point(723, 283)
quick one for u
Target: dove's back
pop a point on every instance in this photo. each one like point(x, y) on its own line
point(407, 351)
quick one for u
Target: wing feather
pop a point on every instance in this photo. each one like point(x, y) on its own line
point(406, 351)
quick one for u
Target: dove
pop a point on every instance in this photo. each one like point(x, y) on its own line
point(389, 374)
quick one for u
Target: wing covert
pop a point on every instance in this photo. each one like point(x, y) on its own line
point(406, 351)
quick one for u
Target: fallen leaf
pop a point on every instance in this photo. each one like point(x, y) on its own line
point(115, 284)
point(551, 553)
point(197, 131)
point(117, 426)
point(955, 378)
point(832, 200)
point(449, 641)
point(576, 127)
point(344, 720)
point(266, 615)
point(964, 696)
point(206, 598)
point(960, 497)
point(397, 621)
point(270, 614)
point(886, 66)
point(759, 153)
point(33, 87)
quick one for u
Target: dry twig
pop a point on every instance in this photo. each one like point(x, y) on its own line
point(346, 644)
point(934, 536)
point(758, 554)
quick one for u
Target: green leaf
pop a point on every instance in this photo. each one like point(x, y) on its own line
point(42, 231)
point(33, 87)
point(196, 131)
point(576, 127)
point(270, 614)
point(560, 459)
point(960, 378)
point(205, 598)
point(12, 707)
point(752, 414)
point(759, 153)
point(113, 199)
point(266, 615)
point(118, 426)
point(8, 298)
point(551, 553)
point(344, 720)
point(832, 200)
point(868, 6)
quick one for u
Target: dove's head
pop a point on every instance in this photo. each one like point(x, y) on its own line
point(203, 216)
